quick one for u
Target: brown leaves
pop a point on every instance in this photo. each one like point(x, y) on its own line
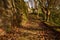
point(2, 32)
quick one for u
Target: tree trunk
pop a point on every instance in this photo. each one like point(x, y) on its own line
point(6, 13)
point(46, 11)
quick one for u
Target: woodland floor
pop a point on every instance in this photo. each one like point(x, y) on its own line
point(32, 32)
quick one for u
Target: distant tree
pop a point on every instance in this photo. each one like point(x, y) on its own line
point(47, 5)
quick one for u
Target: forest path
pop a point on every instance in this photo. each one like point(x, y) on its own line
point(39, 32)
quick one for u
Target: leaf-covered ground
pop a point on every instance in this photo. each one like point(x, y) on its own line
point(29, 32)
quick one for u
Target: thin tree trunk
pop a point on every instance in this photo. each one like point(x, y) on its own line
point(46, 13)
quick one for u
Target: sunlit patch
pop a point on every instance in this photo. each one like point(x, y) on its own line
point(26, 0)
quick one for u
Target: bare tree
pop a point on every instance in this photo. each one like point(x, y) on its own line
point(46, 6)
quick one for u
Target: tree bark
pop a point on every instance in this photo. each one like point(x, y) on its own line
point(46, 11)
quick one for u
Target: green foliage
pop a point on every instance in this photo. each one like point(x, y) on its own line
point(42, 17)
point(56, 18)
point(7, 28)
